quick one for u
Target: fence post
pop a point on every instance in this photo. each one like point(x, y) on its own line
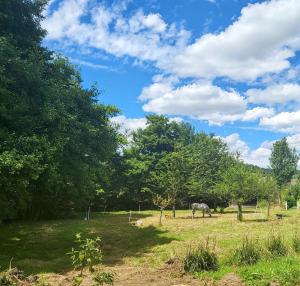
point(129, 219)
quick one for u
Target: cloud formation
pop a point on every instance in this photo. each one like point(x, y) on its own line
point(275, 94)
point(260, 41)
point(202, 100)
point(196, 74)
point(146, 37)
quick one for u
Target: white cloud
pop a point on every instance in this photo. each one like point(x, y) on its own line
point(90, 65)
point(235, 144)
point(128, 125)
point(284, 122)
point(258, 157)
point(261, 41)
point(203, 101)
point(146, 37)
point(280, 93)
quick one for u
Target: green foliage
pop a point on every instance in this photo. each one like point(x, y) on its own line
point(200, 259)
point(4, 280)
point(171, 175)
point(87, 254)
point(162, 202)
point(77, 280)
point(291, 194)
point(283, 162)
point(102, 278)
point(296, 242)
point(248, 253)
point(284, 271)
point(276, 245)
point(239, 184)
point(55, 138)
point(209, 159)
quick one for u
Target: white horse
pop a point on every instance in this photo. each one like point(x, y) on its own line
point(203, 207)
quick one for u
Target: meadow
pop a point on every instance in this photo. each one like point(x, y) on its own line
point(138, 254)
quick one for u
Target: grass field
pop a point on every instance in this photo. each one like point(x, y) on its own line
point(41, 247)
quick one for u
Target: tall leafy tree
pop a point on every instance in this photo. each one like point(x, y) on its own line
point(268, 189)
point(283, 162)
point(171, 175)
point(240, 185)
point(210, 158)
point(161, 137)
point(55, 137)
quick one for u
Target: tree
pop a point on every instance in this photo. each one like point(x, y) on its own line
point(148, 146)
point(239, 184)
point(171, 176)
point(210, 158)
point(291, 194)
point(267, 189)
point(162, 203)
point(283, 163)
point(55, 137)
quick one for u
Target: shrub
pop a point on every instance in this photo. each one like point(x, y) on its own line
point(200, 259)
point(276, 246)
point(248, 253)
point(88, 253)
point(102, 278)
point(296, 242)
point(4, 280)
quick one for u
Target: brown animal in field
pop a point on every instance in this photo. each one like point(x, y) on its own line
point(168, 216)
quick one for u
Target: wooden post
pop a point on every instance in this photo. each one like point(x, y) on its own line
point(89, 212)
point(129, 219)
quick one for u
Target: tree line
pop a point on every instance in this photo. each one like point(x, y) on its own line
point(60, 152)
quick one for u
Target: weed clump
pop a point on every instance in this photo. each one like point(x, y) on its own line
point(248, 253)
point(276, 246)
point(102, 278)
point(296, 242)
point(201, 258)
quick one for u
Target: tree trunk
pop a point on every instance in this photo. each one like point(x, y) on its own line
point(160, 217)
point(240, 212)
point(215, 208)
point(268, 209)
point(174, 211)
point(279, 196)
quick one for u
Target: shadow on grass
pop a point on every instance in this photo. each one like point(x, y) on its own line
point(199, 217)
point(257, 220)
point(244, 212)
point(42, 246)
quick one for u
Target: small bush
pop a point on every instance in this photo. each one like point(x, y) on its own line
point(276, 246)
point(88, 253)
point(102, 278)
point(4, 280)
point(248, 253)
point(200, 259)
point(296, 242)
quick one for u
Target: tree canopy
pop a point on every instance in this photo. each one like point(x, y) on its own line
point(61, 153)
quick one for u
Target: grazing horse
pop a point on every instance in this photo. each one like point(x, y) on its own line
point(203, 207)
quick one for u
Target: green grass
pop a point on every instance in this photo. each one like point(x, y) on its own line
point(41, 247)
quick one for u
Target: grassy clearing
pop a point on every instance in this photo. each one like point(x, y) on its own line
point(41, 247)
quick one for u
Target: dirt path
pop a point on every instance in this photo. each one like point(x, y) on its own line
point(138, 276)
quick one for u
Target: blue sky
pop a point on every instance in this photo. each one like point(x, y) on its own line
point(230, 67)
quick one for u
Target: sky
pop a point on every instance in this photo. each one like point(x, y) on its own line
point(229, 67)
